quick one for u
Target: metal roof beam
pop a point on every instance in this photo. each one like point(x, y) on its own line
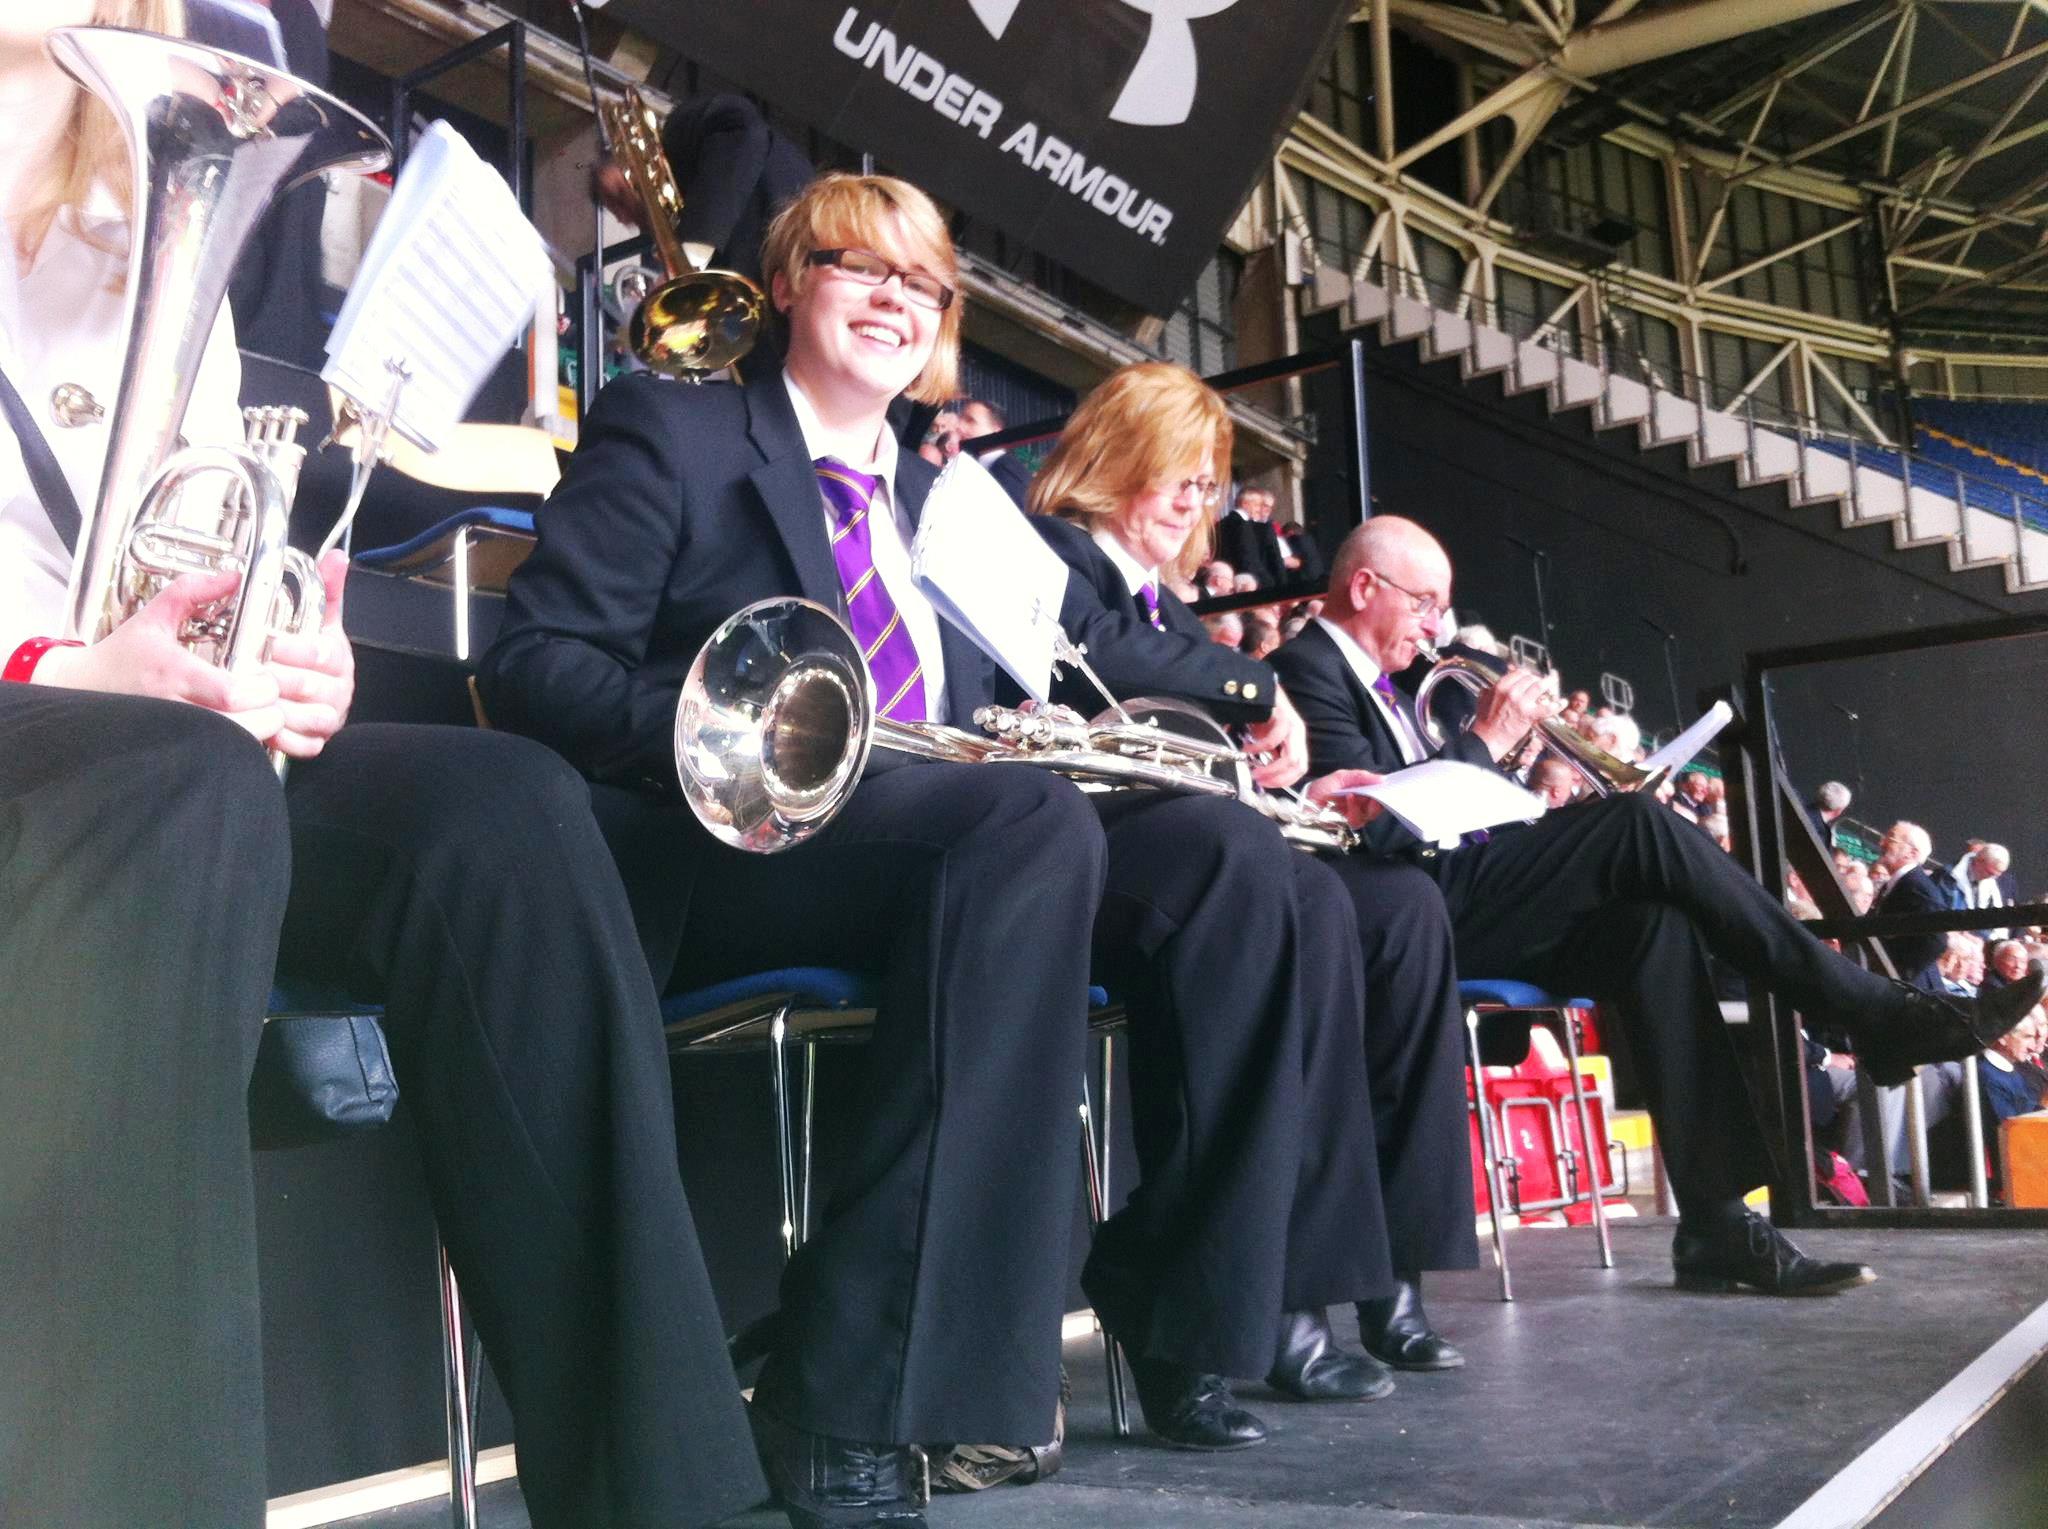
point(1907, 108)
point(1818, 53)
point(2026, 263)
point(1797, 246)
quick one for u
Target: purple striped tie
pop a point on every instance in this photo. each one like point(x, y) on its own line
point(1148, 598)
point(877, 624)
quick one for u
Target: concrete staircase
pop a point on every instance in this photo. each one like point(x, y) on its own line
point(1919, 514)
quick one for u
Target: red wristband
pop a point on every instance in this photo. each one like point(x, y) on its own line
point(21, 667)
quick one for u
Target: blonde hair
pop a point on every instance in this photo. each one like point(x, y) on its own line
point(895, 220)
point(93, 152)
point(1144, 424)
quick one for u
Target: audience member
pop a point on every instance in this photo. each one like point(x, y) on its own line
point(1619, 735)
point(1218, 578)
point(1554, 780)
point(1910, 889)
point(2007, 963)
point(1245, 536)
point(1226, 628)
point(941, 441)
point(1983, 874)
point(978, 418)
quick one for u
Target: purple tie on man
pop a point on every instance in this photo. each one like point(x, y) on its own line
point(877, 624)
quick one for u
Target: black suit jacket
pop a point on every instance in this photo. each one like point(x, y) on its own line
point(1314, 568)
point(1009, 470)
point(681, 505)
point(1253, 547)
point(1133, 657)
point(735, 172)
point(1346, 729)
point(1915, 954)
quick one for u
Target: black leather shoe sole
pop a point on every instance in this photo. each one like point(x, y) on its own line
point(1702, 1282)
point(1419, 1355)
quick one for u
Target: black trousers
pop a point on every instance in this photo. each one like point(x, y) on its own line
point(1237, 958)
point(927, 1305)
point(453, 876)
point(1415, 1062)
point(1620, 899)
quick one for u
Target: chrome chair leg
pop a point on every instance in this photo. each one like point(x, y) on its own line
point(807, 1064)
point(1095, 1163)
point(462, 594)
point(1590, 1153)
point(1489, 1150)
point(778, 1036)
point(459, 1361)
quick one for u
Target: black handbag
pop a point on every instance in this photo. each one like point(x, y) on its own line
point(318, 1077)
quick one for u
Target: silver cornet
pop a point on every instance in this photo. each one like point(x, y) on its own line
point(1600, 770)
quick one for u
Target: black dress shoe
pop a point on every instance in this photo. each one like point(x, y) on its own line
point(826, 1483)
point(1934, 1027)
point(1752, 1252)
point(1396, 1331)
point(1311, 1368)
point(1190, 1410)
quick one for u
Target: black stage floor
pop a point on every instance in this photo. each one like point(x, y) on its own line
point(1600, 1398)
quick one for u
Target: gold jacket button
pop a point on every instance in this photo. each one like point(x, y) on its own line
point(1230, 687)
point(1251, 691)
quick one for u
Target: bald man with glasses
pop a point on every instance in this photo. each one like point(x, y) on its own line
point(1616, 897)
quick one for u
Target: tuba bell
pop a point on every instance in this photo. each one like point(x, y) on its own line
point(213, 139)
point(1601, 771)
point(777, 718)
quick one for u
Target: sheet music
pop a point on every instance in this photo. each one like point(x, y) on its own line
point(1680, 751)
point(447, 284)
point(1440, 799)
point(981, 565)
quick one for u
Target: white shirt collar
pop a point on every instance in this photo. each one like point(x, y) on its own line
point(1362, 663)
point(881, 462)
point(1136, 574)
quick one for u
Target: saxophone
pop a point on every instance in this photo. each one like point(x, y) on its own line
point(213, 140)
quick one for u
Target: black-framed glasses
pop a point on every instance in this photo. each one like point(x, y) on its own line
point(1428, 607)
point(871, 270)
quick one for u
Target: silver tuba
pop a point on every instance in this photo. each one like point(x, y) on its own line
point(1600, 770)
point(213, 139)
point(777, 718)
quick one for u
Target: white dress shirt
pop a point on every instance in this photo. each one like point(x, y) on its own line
point(1413, 749)
point(1136, 575)
point(63, 321)
point(889, 537)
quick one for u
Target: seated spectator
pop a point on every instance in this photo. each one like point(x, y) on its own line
point(1244, 584)
point(941, 441)
point(1261, 633)
point(1618, 734)
point(1909, 888)
point(2006, 963)
point(1716, 827)
point(1692, 793)
point(1984, 875)
point(978, 418)
point(1829, 802)
point(1218, 578)
point(1293, 627)
point(2010, 1080)
point(1183, 588)
point(1953, 965)
point(1226, 628)
point(1855, 879)
point(1575, 705)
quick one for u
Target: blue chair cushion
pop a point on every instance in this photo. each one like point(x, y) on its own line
point(1098, 997)
point(813, 987)
point(1510, 994)
point(478, 517)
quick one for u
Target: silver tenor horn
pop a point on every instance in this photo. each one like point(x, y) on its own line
point(213, 140)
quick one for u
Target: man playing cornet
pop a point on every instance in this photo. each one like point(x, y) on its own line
point(1616, 897)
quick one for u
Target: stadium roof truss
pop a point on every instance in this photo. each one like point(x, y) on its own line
point(1926, 119)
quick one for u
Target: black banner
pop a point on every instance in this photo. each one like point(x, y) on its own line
point(1117, 136)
